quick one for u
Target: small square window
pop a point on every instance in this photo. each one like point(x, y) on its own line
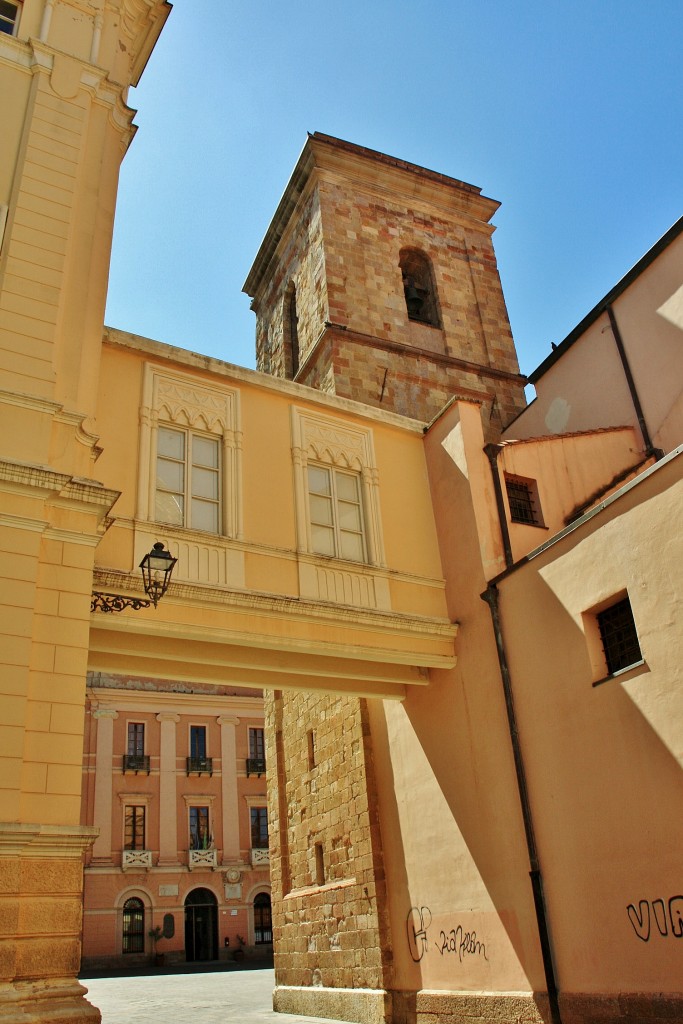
point(619, 637)
point(523, 501)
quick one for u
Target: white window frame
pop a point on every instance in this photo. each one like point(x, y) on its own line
point(189, 463)
point(335, 501)
point(15, 24)
point(180, 402)
point(333, 445)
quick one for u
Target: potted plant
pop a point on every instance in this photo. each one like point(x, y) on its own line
point(155, 934)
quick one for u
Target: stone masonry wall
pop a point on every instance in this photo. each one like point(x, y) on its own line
point(302, 262)
point(409, 383)
point(364, 235)
point(328, 932)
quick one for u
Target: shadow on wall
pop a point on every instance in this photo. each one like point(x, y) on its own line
point(602, 783)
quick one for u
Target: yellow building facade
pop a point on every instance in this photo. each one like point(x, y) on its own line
point(470, 782)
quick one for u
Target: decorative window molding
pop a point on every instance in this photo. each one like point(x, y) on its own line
point(177, 401)
point(328, 443)
point(183, 403)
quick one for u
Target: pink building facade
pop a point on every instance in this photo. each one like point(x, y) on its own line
point(174, 778)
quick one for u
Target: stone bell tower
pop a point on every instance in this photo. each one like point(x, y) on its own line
point(377, 281)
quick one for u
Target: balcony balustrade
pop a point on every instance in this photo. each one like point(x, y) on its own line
point(200, 766)
point(256, 766)
point(260, 857)
point(136, 763)
point(133, 860)
point(202, 859)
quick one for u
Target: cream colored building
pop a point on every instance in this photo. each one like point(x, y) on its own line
point(471, 803)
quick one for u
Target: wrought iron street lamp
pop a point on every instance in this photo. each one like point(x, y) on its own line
point(157, 568)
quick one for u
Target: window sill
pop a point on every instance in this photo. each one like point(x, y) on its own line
point(641, 666)
point(523, 522)
point(309, 890)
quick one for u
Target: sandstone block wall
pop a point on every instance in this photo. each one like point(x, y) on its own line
point(341, 249)
point(327, 877)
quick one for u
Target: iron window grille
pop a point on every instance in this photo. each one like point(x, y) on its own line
point(200, 765)
point(133, 926)
point(521, 500)
point(619, 637)
point(263, 925)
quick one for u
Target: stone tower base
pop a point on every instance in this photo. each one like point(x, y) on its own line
point(362, 1005)
point(375, 1006)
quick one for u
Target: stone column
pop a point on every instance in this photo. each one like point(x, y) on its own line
point(104, 758)
point(168, 806)
point(231, 827)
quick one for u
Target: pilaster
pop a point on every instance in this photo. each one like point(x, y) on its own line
point(231, 830)
point(103, 783)
point(168, 809)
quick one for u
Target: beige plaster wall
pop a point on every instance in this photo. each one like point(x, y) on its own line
point(459, 898)
point(604, 763)
point(586, 387)
point(566, 474)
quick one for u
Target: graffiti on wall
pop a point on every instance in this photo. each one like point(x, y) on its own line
point(454, 942)
point(667, 917)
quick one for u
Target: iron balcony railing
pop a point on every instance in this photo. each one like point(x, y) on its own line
point(256, 766)
point(200, 765)
point(136, 763)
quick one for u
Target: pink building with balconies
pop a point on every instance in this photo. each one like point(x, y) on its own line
point(174, 778)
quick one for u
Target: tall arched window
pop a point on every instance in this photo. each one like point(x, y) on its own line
point(133, 926)
point(263, 924)
point(290, 331)
point(419, 288)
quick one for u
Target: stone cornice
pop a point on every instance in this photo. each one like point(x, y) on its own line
point(324, 155)
point(48, 842)
point(277, 605)
point(236, 375)
point(174, 705)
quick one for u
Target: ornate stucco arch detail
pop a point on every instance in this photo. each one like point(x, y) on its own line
point(185, 402)
point(318, 439)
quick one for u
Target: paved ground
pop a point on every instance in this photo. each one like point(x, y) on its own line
point(223, 997)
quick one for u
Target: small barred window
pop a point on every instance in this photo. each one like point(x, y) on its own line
point(619, 636)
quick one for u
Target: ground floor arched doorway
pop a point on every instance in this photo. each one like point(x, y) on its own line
point(263, 922)
point(201, 925)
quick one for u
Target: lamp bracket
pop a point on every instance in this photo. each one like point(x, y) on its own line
point(102, 602)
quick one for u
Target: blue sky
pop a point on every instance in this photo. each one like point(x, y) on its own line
point(569, 114)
